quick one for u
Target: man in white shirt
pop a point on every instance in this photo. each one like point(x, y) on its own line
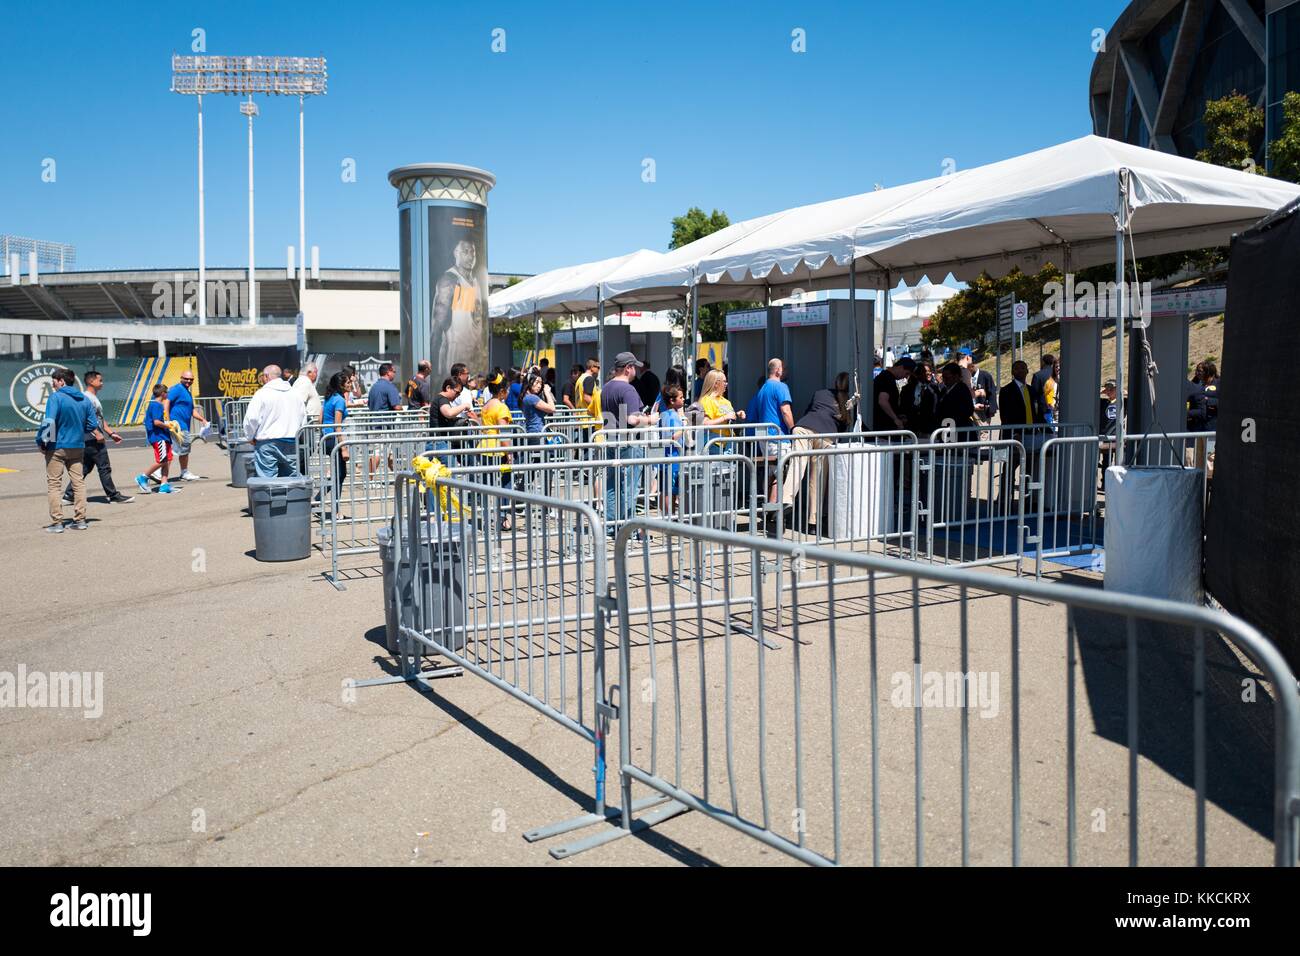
point(271, 423)
point(304, 386)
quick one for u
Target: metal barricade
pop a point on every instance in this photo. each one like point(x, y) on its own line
point(232, 419)
point(876, 730)
point(625, 479)
point(495, 590)
point(950, 502)
point(1068, 493)
point(358, 499)
point(766, 451)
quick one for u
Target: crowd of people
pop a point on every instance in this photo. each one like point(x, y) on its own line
point(74, 437)
point(907, 396)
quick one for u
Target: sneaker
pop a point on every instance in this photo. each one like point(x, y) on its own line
point(164, 489)
point(79, 525)
point(143, 483)
point(188, 475)
point(55, 528)
point(67, 499)
point(121, 499)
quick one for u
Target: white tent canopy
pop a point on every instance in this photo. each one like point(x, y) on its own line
point(560, 291)
point(1021, 212)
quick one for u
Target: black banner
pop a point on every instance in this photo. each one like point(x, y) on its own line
point(233, 371)
point(1252, 540)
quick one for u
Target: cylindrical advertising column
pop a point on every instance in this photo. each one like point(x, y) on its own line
point(442, 242)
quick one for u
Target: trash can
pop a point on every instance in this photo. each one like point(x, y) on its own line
point(385, 539)
point(441, 569)
point(241, 463)
point(281, 517)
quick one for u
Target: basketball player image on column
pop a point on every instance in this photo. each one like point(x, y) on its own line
point(457, 328)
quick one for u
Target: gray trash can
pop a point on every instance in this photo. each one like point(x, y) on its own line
point(385, 538)
point(241, 463)
point(442, 568)
point(281, 517)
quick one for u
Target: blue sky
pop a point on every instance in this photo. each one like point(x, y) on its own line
point(712, 92)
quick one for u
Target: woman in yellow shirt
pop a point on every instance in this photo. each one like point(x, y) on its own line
point(495, 414)
point(717, 408)
point(1050, 390)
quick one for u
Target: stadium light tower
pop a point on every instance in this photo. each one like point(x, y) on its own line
point(299, 76)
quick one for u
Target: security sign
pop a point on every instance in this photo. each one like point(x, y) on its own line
point(1020, 317)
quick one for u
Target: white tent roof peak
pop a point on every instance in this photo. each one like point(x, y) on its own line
point(1049, 205)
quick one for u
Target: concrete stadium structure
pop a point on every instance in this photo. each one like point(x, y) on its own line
point(1164, 59)
point(140, 312)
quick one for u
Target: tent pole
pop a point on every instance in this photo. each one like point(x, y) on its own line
point(884, 328)
point(1121, 222)
point(537, 337)
point(853, 317)
point(600, 332)
point(695, 325)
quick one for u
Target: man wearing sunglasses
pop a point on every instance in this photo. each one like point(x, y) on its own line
point(179, 407)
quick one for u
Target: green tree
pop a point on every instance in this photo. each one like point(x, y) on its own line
point(687, 228)
point(1234, 131)
point(696, 225)
point(1284, 152)
point(972, 313)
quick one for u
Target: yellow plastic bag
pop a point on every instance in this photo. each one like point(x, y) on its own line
point(430, 470)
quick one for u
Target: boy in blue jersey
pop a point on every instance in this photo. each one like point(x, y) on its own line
point(158, 434)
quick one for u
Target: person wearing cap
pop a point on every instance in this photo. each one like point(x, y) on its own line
point(621, 407)
point(1108, 419)
point(885, 409)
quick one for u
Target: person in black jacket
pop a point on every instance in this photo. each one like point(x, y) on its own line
point(919, 401)
point(1020, 402)
point(982, 385)
point(956, 404)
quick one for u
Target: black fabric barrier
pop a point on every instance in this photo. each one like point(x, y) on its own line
point(231, 371)
point(1252, 544)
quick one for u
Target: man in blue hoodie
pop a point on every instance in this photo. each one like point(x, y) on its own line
point(73, 418)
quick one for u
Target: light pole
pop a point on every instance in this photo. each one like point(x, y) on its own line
point(302, 212)
point(249, 109)
point(203, 285)
point(299, 76)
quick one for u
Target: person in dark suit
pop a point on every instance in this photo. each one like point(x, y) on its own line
point(982, 386)
point(956, 404)
point(1020, 403)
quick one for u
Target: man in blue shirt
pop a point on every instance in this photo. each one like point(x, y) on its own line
point(621, 408)
point(772, 406)
point(69, 417)
point(383, 395)
point(772, 403)
point(179, 407)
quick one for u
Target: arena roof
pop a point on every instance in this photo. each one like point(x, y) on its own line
point(129, 293)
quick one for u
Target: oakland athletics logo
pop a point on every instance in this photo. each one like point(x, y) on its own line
point(31, 389)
